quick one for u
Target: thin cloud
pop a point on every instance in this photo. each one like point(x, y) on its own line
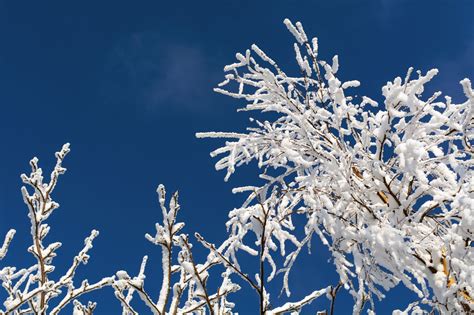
point(387, 9)
point(154, 72)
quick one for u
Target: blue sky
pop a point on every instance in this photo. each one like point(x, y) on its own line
point(129, 84)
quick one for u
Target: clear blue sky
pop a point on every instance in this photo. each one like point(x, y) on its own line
point(129, 84)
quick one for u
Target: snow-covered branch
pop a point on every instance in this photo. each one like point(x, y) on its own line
point(6, 243)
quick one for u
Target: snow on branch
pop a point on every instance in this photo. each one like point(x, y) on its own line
point(296, 306)
point(6, 243)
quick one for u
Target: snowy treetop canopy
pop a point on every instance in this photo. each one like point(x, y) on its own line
point(386, 185)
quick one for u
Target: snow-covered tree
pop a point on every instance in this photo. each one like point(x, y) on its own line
point(30, 290)
point(387, 186)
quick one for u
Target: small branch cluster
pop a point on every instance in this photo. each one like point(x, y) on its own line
point(30, 290)
point(191, 276)
point(270, 222)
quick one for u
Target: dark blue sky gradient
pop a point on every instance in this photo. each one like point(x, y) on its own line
point(129, 84)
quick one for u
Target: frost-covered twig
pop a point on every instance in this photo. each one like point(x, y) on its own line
point(6, 243)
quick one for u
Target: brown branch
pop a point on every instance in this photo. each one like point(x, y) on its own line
point(262, 260)
point(333, 294)
point(198, 276)
point(227, 262)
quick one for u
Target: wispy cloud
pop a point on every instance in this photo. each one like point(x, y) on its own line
point(156, 72)
point(386, 9)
